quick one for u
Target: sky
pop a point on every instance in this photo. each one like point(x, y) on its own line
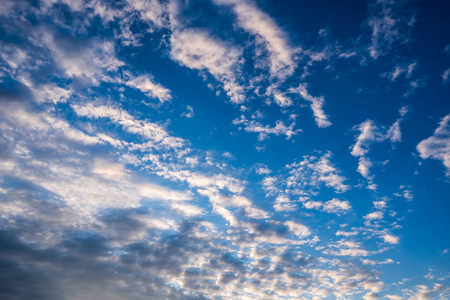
point(224, 149)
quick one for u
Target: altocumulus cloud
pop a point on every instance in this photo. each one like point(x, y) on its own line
point(111, 187)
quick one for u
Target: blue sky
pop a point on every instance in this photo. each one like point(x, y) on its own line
point(224, 149)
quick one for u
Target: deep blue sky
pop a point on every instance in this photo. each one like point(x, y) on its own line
point(224, 149)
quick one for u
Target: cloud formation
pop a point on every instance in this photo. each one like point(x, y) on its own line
point(437, 146)
point(111, 187)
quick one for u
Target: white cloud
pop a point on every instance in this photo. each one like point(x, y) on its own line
point(154, 191)
point(406, 193)
point(405, 70)
point(446, 76)
point(376, 215)
point(146, 84)
point(86, 184)
point(394, 134)
point(258, 23)
point(346, 233)
point(52, 93)
point(84, 165)
point(153, 11)
point(391, 239)
point(373, 262)
point(380, 204)
point(346, 248)
point(334, 206)
point(45, 124)
point(313, 171)
point(186, 209)
point(189, 113)
point(316, 105)
point(15, 57)
point(438, 145)
point(299, 230)
point(108, 169)
point(424, 292)
point(313, 204)
point(394, 297)
point(283, 203)
point(265, 130)
point(153, 132)
point(85, 60)
point(414, 85)
point(364, 167)
point(390, 23)
point(403, 111)
point(281, 99)
point(256, 213)
point(196, 49)
point(269, 184)
point(262, 170)
point(370, 133)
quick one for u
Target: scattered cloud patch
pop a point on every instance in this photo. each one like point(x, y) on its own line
point(334, 206)
point(438, 145)
point(391, 23)
point(316, 105)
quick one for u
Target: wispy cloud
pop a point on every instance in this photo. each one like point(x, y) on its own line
point(438, 145)
point(391, 22)
point(316, 105)
point(196, 49)
point(265, 130)
point(371, 133)
point(268, 33)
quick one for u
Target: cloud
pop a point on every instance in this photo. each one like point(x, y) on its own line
point(154, 133)
point(376, 215)
point(390, 22)
point(189, 113)
point(314, 171)
point(186, 209)
point(153, 11)
point(298, 229)
point(265, 130)
point(446, 76)
point(368, 133)
point(405, 193)
point(268, 33)
point(99, 199)
point(371, 133)
point(196, 49)
point(146, 84)
point(283, 203)
point(346, 233)
point(394, 134)
point(424, 292)
point(414, 85)
point(399, 70)
point(86, 60)
point(316, 105)
point(85, 185)
point(108, 169)
point(44, 124)
point(391, 239)
point(346, 248)
point(438, 145)
point(334, 206)
point(154, 191)
point(364, 167)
